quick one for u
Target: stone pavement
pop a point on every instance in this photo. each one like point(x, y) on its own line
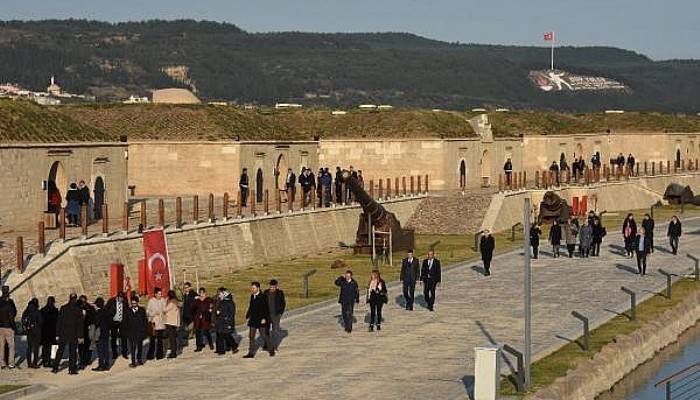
point(417, 355)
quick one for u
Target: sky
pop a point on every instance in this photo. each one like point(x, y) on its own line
point(661, 29)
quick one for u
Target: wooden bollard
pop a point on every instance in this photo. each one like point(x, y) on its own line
point(403, 185)
point(224, 208)
point(212, 217)
point(636, 171)
point(381, 189)
point(41, 239)
point(413, 190)
point(62, 222)
point(343, 194)
point(668, 166)
point(253, 200)
point(84, 220)
point(125, 217)
point(388, 188)
point(537, 179)
point(500, 182)
point(239, 204)
point(143, 214)
point(178, 212)
point(267, 202)
point(105, 219)
point(645, 168)
point(290, 202)
point(278, 201)
point(19, 249)
point(396, 187)
point(161, 212)
point(653, 168)
point(313, 199)
point(696, 164)
point(371, 188)
point(195, 209)
point(426, 183)
point(419, 185)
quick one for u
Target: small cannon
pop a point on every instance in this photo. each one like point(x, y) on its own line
point(375, 215)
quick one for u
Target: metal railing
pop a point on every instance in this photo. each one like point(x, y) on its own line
point(683, 385)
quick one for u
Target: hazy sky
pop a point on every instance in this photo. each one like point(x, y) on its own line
point(658, 28)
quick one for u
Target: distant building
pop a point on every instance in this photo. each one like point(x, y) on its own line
point(338, 112)
point(368, 107)
point(478, 110)
point(614, 111)
point(136, 100)
point(53, 88)
point(288, 105)
point(174, 96)
point(385, 107)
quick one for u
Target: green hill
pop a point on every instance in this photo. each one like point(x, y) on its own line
point(113, 61)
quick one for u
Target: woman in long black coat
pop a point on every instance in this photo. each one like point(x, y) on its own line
point(225, 322)
point(32, 322)
point(49, 314)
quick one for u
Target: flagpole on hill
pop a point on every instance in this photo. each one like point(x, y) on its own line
point(549, 37)
point(552, 55)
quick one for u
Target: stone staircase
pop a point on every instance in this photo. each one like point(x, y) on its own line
point(451, 212)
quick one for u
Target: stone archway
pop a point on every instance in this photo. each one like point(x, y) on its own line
point(485, 168)
point(98, 197)
point(281, 172)
point(678, 158)
point(259, 186)
point(57, 180)
point(462, 174)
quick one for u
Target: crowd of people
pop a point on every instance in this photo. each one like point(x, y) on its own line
point(102, 331)
point(324, 185)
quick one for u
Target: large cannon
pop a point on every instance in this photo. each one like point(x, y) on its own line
point(375, 215)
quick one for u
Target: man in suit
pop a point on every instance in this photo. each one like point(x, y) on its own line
point(258, 317)
point(410, 273)
point(276, 304)
point(349, 296)
point(486, 246)
point(291, 184)
point(116, 307)
point(135, 324)
point(69, 332)
point(243, 187)
point(642, 246)
point(430, 276)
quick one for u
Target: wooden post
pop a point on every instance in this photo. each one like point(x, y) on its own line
point(524, 179)
point(211, 207)
point(403, 185)
point(41, 239)
point(343, 194)
point(290, 202)
point(267, 202)
point(500, 182)
point(381, 188)
point(668, 166)
point(62, 221)
point(371, 188)
point(239, 205)
point(253, 200)
point(426, 183)
point(224, 208)
point(413, 191)
point(645, 168)
point(653, 168)
point(178, 212)
point(161, 213)
point(143, 214)
point(419, 185)
point(19, 249)
point(537, 179)
point(125, 217)
point(105, 219)
point(195, 209)
point(636, 172)
point(388, 188)
point(696, 164)
point(278, 200)
point(396, 187)
point(84, 220)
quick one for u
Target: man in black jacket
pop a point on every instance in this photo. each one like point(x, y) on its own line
point(410, 273)
point(188, 299)
point(69, 333)
point(32, 322)
point(243, 187)
point(430, 276)
point(116, 307)
point(8, 313)
point(49, 314)
point(276, 304)
point(135, 324)
point(349, 296)
point(486, 246)
point(103, 321)
point(642, 246)
point(535, 233)
point(648, 225)
point(258, 316)
point(290, 183)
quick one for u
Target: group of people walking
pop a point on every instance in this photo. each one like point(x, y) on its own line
point(121, 325)
point(77, 196)
point(588, 236)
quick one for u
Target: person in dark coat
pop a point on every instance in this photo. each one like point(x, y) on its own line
point(225, 322)
point(258, 316)
point(32, 322)
point(188, 298)
point(348, 296)
point(319, 187)
point(598, 234)
point(103, 322)
point(674, 233)
point(410, 273)
point(73, 204)
point(535, 233)
point(376, 298)
point(642, 247)
point(84, 352)
point(508, 170)
point(243, 187)
point(486, 246)
point(648, 225)
point(69, 333)
point(8, 314)
point(629, 232)
point(290, 184)
point(202, 310)
point(84, 196)
point(116, 307)
point(276, 304)
point(430, 277)
point(338, 185)
point(135, 327)
point(49, 315)
point(555, 237)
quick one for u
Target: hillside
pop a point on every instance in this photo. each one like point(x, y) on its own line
point(223, 62)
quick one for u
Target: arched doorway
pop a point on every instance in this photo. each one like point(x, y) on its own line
point(57, 181)
point(678, 158)
point(99, 197)
point(462, 174)
point(259, 186)
point(579, 150)
point(485, 169)
point(281, 172)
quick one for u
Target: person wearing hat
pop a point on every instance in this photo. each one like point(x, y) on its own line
point(276, 304)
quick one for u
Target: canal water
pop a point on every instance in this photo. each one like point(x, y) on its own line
point(639, 384)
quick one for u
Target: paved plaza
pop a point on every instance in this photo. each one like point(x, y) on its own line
point(417, 355)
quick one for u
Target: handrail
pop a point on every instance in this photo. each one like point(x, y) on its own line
point(677, 374)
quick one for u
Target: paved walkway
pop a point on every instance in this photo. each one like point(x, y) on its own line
point(417, 355)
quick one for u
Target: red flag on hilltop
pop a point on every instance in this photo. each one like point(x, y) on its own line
point(157, 261)
point(549, 36)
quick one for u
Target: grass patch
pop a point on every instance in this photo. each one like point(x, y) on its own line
point(450, 250)
point(9, 388)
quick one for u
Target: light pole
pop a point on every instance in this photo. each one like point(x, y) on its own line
point(528, 291)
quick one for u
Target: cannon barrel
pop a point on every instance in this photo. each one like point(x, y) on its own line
point(375, 210)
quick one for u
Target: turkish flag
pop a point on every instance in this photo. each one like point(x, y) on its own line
point(549, 36)
point(155, 250)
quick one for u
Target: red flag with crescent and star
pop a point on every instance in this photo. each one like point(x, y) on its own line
point(155, 250)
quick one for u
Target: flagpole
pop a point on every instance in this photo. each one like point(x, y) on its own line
point(552, 54)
